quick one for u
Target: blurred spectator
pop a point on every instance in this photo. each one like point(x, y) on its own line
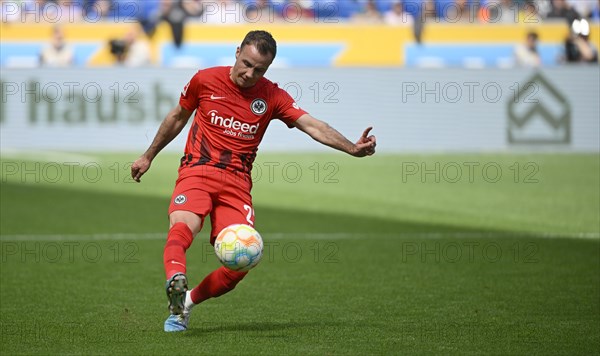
point(582, 7)
point(138, 48)
point(175, 14)
point(133, 50)
point(369, 14)
point(526, 55)
point(193, 8)
point(542, 6)
point(460, 11)
point(499, 11)
point(98, 9)
point(578, 48)
point(529, 13)
point(562, 10)
point(57, 53)
point(217, 12)
point(428, 13)
point(397, 17)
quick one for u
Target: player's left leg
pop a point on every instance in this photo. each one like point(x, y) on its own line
point(218, 282)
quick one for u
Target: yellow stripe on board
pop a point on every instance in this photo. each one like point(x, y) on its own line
point(365, 45)
point(495, 33)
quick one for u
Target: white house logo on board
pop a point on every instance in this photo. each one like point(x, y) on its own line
point(539, 114)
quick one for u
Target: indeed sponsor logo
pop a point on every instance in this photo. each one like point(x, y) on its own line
point(232, 123)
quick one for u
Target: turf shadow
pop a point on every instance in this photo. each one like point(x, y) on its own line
point(42, 209)
point(272, 329)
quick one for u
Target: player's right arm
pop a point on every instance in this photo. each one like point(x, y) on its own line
point(171, 126)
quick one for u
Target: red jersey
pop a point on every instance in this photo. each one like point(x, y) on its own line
point(231, 121)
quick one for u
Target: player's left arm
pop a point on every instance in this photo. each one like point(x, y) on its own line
point(321, 131)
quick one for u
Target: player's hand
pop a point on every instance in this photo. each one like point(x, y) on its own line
point(365, 146)
point(139, 167)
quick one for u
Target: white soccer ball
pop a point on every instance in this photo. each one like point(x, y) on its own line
point(239, 247)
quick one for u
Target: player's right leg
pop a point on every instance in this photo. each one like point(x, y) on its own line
point(184, 226)
point(188, 207)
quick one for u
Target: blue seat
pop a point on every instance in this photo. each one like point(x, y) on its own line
point(413, 7)
point(347, 8)
point(327, 9)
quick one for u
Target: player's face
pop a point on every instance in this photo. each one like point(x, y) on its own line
point(249, 66)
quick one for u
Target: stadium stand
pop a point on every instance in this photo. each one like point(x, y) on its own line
point(311, 32)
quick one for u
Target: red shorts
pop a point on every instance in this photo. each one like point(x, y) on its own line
point(208, 190)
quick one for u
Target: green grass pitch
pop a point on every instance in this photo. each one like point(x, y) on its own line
point(394, 254)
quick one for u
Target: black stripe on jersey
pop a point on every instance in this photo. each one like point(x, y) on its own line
point(247, 159)
point(195, 128)
point(204, 153)
point(224, 160)
point(185, 159)
point(243, 158)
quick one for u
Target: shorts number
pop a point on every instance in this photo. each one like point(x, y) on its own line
point(250, 214)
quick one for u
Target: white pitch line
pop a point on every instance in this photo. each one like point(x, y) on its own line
point(311, 235)
point(47, 156)
point(84, 237)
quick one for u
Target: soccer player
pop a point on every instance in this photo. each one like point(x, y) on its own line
point(234, 106)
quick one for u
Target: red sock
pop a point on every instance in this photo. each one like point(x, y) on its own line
point(179, 239)
point(219, 282)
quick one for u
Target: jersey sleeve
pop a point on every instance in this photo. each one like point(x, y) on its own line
point(286, 110)
point(190, 95)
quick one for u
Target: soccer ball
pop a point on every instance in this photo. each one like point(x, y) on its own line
point(239, 247)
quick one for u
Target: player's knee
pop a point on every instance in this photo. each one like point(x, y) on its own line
point(191, 220)
point(180, 234)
